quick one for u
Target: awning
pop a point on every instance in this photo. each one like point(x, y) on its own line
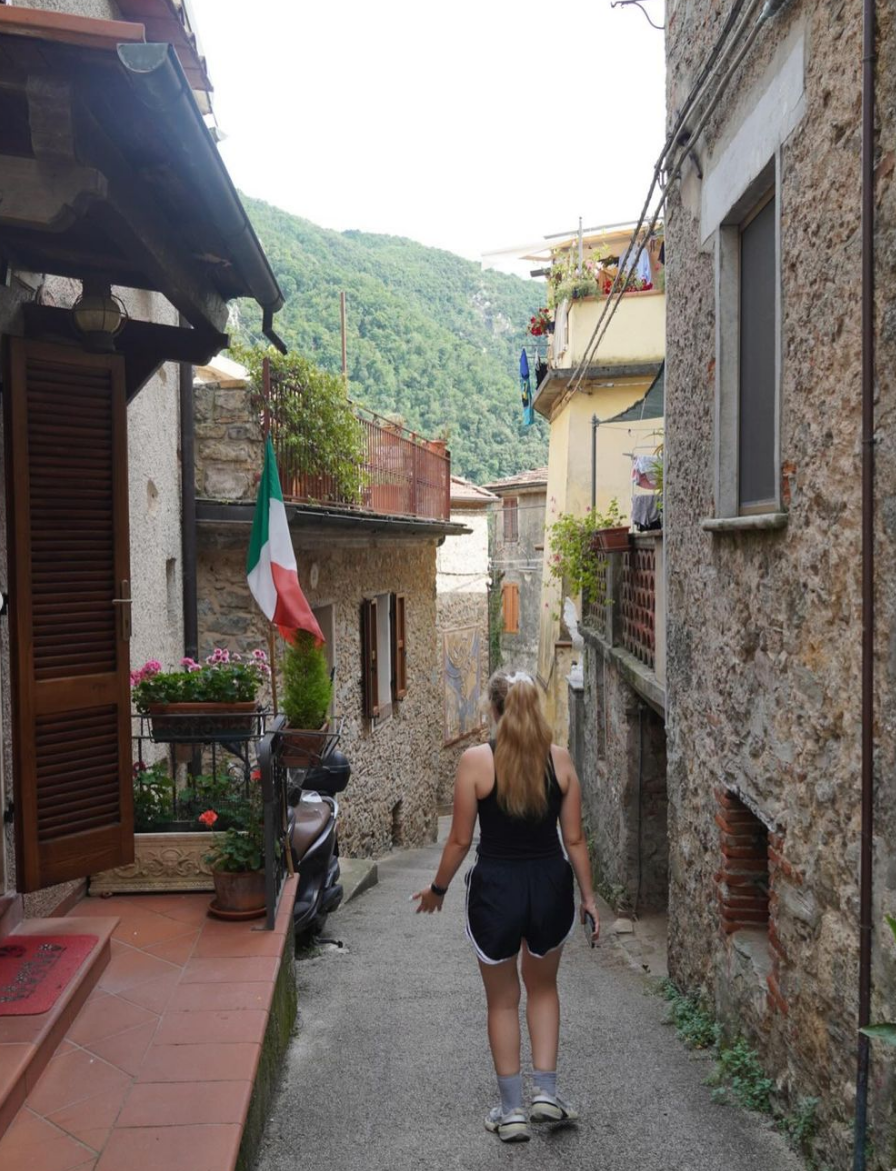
point(651, 406)
point(108, 170)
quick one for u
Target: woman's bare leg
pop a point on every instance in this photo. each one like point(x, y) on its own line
point(542, 1006)
point(502, 994)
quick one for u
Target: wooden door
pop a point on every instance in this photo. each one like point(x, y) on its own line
point(67, 521)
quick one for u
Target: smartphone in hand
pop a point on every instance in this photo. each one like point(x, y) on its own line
point(590, 927)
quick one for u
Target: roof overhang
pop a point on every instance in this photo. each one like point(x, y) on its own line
point(556, 383)
point(107, 170)
point(317, 522)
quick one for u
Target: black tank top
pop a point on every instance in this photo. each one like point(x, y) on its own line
point(504, 836)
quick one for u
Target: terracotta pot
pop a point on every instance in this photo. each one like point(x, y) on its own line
point(196, 721)
point(239, 890)
point(617, 540)
point(302, 747)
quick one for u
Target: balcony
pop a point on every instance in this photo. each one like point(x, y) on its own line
point(636, 333)
point(628, 617)
point(399, 473)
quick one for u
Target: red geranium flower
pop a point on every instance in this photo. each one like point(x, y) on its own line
point(208, 818)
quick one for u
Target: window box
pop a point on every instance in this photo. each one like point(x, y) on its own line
point(172, 723)
point(615, 540)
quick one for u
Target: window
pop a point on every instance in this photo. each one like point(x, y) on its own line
point(747, 359)
point(511, 518)
point(383, 653)
point(510, 598)
point(756, 429)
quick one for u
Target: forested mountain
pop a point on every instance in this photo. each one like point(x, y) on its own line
point(431, 337)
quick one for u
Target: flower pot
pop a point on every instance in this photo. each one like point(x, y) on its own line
point(195, 722)
point(616, 540)
point(302, 747)
point(238, 892)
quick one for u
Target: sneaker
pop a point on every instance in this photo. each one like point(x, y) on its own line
point(511, 1127)
point(551, 1108)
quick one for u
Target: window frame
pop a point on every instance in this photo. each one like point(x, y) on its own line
point(510, 512)
point(728, 341)
point(384, 680)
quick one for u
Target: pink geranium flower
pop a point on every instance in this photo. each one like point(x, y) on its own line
point(208, 818)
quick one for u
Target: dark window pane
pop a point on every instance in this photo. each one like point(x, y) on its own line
point(758, 283)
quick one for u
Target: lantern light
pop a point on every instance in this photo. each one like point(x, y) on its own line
point(99, 317)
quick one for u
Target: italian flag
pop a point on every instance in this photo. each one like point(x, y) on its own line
point(271, 564)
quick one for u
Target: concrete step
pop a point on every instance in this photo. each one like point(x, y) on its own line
point(28, 1042)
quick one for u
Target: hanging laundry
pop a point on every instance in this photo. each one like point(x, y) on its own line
point(644, 471)
point(642, 272)
point(526, 390)
point(645, 513)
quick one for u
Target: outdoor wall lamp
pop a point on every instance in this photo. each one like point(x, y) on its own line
point(98, 316)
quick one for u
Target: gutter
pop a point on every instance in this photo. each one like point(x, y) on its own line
point(868, 365)
point(159, 81)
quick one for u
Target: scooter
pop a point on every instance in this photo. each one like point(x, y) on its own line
point(312, 811)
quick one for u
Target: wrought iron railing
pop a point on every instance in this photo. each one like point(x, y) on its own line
point(273, 794)
point(623, 607)
point(399, 473)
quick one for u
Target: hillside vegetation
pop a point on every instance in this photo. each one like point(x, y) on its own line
point(431, 337)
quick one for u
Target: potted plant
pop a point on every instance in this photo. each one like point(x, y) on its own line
point(611, 533)
point(307, 693)
point(541, 323)
point(211, 701)
point(237, 862)
point(576, 560)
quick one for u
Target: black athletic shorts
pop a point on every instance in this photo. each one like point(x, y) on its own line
point(509, 900)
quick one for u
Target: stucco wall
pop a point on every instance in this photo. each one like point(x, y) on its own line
point(521, 563)
point(764, 629)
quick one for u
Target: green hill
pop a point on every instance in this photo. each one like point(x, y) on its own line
point(431, 337)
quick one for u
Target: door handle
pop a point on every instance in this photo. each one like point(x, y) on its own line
point(124, 611)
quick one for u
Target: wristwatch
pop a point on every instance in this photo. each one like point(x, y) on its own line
point(441, 891)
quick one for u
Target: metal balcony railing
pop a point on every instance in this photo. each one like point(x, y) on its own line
point(399, 474)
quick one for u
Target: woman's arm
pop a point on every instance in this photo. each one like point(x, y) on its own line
point(574, 838)
point(460, 836)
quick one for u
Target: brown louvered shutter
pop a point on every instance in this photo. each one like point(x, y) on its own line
point(399, 647)
point(67, 491)
point(369, 662)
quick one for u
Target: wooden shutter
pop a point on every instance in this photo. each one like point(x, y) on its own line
point(399, 647)
point(369, 659)
point(511, 518)
point(67, 516)
point(510, 598)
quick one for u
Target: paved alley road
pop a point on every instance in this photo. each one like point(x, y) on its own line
point(390, 1069)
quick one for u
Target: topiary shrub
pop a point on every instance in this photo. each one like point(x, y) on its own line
point(307, 688)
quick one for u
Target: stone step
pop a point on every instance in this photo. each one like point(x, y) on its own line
point(28, 1042)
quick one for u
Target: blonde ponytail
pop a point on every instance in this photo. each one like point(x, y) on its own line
point(522, 744)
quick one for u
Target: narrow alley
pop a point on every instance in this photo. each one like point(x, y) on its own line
point(390, 1070)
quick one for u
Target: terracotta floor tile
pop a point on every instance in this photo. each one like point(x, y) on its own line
point(175, 951)
point(229, 996)
point(200, 1063)
point(144, 928)
point(176, 1148)
point(126, 1050)
point(14, 1059)
point(221, 1027)
point(232, 971)
point(189, 908)
point(88, 1119)
point(238, 945)
point(129, 968)
point(31, 1144)
point(102, 907)
point(155, 994)
point(106, 1017)
point(72, 1077)
point(185, 1103)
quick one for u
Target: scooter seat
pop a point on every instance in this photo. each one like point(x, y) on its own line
point(310, 821)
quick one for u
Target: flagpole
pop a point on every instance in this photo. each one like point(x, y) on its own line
point(273, 661)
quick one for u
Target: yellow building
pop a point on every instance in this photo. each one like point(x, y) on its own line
point(588, 464)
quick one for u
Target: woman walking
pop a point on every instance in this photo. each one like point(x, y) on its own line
point(520, 895)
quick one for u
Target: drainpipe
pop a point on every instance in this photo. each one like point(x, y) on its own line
point(866, 853)
point(188, 509)
point(595, 423)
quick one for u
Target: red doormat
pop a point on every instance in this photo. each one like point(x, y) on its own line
point(34, 970)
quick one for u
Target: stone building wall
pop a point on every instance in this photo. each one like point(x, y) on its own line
point(764, 629)
point(392, 795)
point(456, 612)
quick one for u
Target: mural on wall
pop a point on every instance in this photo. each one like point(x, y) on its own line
point(462, 672)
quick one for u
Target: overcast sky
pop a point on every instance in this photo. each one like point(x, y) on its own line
point(470, 126)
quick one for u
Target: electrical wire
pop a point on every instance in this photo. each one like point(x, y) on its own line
point(685, 144)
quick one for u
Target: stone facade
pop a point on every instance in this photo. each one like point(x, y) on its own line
point(391, 799)
point(764, 628)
